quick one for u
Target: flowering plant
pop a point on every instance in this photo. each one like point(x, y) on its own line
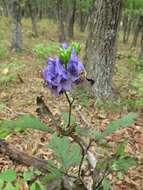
point(75, 164)
point(62, 73)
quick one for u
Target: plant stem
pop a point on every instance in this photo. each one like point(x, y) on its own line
point(70, 108)
point(84, 152)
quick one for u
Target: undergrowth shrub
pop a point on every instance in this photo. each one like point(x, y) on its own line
point(3, 52)
point(9, 71)
point(42, 51)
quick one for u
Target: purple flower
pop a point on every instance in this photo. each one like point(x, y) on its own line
point(56, 77)
point(75, 67)
point(65, 45)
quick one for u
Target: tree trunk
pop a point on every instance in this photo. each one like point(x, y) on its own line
point(32, 11)
point(61, 27)
point(129, 28)
point(16, 43)
point(125, 28)
point(137, 31)
point(101, 45)
point(71, 18)
point(141, 51)
point(5, 5)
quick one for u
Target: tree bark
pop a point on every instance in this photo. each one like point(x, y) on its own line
point(6, 7)
point(137, 30)
point(32, 11)
point(71, 18)
point(125, 28)
point(61, 27)
point(16, 43)
point(141, 50)
point(129, 28)
point(101, 45)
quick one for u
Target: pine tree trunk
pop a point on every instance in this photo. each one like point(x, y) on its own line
point(71, 18)
point(32, 11)
point(61, 26)
point(101, 45)
point(16, 43)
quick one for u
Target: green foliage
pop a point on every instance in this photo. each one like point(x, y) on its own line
point(9, 71)
point(126, 121)
point(3, 53)
point(25, 122)
point(121, 148)
point(65, 54)
point(106, 184)
point(65, 116)
point(55, 173)
point(8, 175)
point(68, 154)
point(42, 51)
point(123, 164)
point(9, 180)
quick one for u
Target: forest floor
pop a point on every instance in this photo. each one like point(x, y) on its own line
point(21, 83)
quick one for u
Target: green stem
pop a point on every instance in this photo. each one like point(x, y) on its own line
point(70, 109)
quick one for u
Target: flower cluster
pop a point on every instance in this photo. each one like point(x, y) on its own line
point(62, 73)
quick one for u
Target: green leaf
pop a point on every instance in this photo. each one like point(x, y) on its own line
point(124, 164)
point(106, 184)
point(35, 186)
point(4, 132)
point(65, 116)
point(53, 169)
point(120, 123)
point(25, 122)
point(55, 173)
point(8, 175)
point(121, 148)
point(9, 186)
point(120, 175)
point(1, 183)
point(68, 154)
point(83, 131)
point(28, 175)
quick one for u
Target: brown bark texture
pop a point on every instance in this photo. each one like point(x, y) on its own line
point(61, 26)
point(101, 45)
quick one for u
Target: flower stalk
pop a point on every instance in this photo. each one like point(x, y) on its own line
point(70, 102)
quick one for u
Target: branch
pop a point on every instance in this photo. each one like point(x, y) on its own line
point(23, 158)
